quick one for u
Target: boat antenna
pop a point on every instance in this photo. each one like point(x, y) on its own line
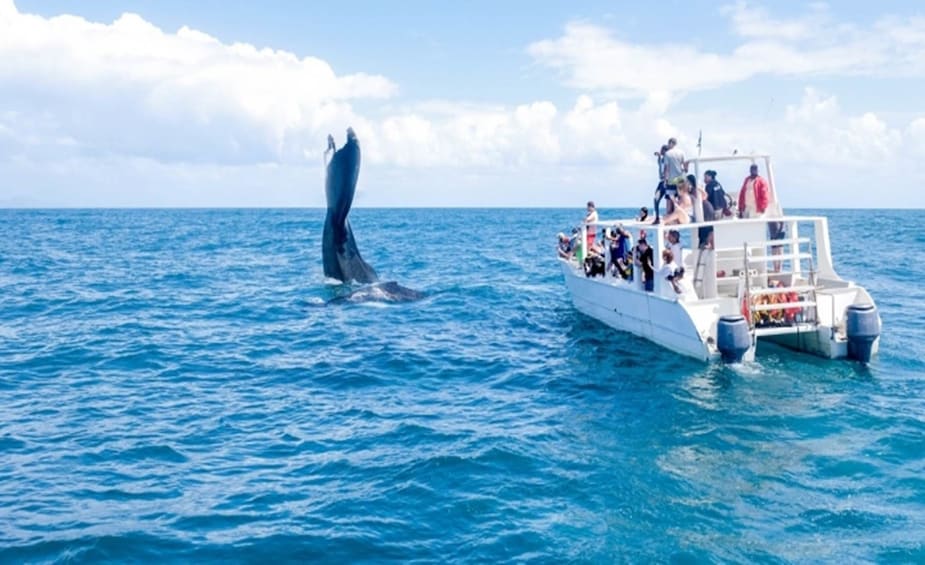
point(699, 142)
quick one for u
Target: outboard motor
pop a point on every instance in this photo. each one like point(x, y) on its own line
point(732, 338)
point(862, 326)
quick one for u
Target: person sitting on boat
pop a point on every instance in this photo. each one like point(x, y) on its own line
point(643, 215)
point(621, 246)
point(644, 260)
point(684, 207)
point(754, 196)
point(591, 218)
point(716, 195)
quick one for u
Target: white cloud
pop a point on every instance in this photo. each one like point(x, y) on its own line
point(128, 104)
point(131, 88)
point(594, 58)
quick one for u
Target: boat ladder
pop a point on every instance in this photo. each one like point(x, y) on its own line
point(775, 310)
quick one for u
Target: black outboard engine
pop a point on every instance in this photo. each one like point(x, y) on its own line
point(862, 326)
point(732, 338)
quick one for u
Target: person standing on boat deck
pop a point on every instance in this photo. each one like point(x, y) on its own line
point(591, 218)
point(753, 198)
point(644, 260)
point(668, 272)
point(716, 196)
point(699, 197)
point(675, 166)
point(662, 187)
point(621, 246)
point(674, 245)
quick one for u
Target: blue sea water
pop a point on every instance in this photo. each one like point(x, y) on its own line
point(172, 389)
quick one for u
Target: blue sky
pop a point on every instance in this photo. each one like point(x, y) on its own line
point(160, 103)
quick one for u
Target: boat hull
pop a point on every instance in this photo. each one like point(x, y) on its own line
point(645, 314)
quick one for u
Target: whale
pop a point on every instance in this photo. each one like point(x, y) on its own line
point(339, 253)
point(340, 256)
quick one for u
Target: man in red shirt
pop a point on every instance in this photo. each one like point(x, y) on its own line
point(754, 197)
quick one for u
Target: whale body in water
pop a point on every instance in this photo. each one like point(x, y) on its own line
point(339, 253)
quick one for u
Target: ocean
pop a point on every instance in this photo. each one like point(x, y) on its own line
point(174, 389)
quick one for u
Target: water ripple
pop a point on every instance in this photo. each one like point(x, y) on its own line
point(171, 391)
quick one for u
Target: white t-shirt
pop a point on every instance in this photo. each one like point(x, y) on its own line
point(674, 160)
point(664, 285)
point(676, 252)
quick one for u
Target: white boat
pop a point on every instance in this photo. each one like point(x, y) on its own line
point(744, 288)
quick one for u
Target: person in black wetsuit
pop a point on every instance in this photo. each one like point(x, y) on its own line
point(716, 196)
point(644, 259)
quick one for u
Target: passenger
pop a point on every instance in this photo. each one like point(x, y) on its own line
point(643, 215)
point(591, 218)
point(684, 207)
point(662, 187)
point(594, 266)
point(566, 246)
point(644, 260)
point(674, 168)
point(753, 198)
point(705, 233)
point(669, 271)
point(716, 196)
point(621, 246)
point(674, 245)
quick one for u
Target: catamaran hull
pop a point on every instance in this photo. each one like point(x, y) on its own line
point(660, 320)
point(689, 328)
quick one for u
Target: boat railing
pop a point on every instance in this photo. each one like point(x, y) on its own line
point(735, 249)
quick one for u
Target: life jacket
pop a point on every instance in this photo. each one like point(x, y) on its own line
point(790, 314)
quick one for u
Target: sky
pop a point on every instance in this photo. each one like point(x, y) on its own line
point(518, 103)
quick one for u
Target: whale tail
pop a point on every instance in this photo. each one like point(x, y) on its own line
point(343, 261)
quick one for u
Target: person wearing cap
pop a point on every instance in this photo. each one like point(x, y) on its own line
point(754, 196)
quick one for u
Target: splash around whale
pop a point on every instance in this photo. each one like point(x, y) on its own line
point(389, 292)
point(339, 252)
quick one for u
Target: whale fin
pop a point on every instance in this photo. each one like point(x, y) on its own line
point(339, 253)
